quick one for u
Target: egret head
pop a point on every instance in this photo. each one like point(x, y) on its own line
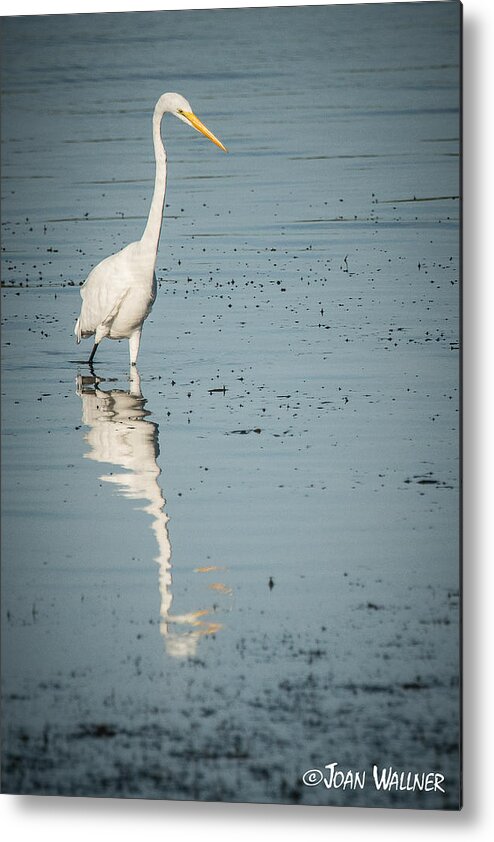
point(177, 104)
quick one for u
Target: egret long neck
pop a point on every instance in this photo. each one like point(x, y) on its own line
point(152, 231)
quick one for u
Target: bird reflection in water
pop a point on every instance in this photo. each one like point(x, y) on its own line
point(121, 433)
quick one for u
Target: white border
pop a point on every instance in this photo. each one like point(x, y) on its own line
point(45, 7)
point(75, 819)
point(51, 7)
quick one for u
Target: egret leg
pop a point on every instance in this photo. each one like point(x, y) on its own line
point(95, 347)
point(134, 342)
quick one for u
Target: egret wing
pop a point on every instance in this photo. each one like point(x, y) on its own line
point(102, 294)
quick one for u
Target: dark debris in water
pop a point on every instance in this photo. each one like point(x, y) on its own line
point(427, 479)
point(244, 432)
point(97, 730)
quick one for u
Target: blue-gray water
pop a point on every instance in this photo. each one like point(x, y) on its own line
point(246, 565)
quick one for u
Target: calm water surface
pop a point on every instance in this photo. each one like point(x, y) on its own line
point(242, 563)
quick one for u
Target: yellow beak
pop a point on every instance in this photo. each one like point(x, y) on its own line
point(196, 123)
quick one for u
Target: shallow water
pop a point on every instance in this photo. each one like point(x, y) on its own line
point(243, 562)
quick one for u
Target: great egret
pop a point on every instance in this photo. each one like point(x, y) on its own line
point(119, 292)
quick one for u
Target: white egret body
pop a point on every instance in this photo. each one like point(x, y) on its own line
point(119, 292)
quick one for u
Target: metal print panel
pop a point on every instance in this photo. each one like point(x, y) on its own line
point(230, 572)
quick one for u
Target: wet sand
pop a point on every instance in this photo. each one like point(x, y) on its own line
point(243, 563)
